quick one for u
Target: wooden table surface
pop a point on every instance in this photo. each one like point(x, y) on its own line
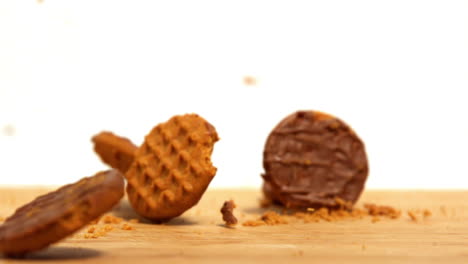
point(199, 236)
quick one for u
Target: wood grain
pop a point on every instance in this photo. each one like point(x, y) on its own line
point(199, 236)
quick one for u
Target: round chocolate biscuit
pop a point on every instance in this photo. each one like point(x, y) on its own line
point(312, 159)
point(172, 168)
point(53, 216)
point(117, 152)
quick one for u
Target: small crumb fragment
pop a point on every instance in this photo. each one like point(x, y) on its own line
point(273, 218)
point(344, 205)
point(382, 210)
point(110, 219)
point(375, 219)
point(254, 223)
point(249, 80)
point(227, 211)
point(91, 229)
point(427, 213)
point(88, 236)
point(107, 228)
point(413, 216)
point(2, 219)
point(310, 209)
point(134, 221)
point(363, 247)
point(126, 226)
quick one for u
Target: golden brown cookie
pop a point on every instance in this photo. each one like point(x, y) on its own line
point(117, 152)
point(54, 216)
point(172, 168)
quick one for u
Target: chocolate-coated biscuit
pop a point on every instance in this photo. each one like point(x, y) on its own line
point(311, 159)
point(117, 152)
point(54, 216)
point(172, 168)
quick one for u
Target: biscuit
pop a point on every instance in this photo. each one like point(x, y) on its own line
point(53, 216)
point(172, 168)
point(117, 152)
point(312, 160)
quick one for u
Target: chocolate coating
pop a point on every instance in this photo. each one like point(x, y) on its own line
point(55, 215)
point(311, 159)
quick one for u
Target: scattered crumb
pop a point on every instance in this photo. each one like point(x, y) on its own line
point(345, 211)
point(228, 216)
point(268, 218)
point(382, 210)
point(363, 247)
point(254, 223)
point(87, 236)
point(100, 227)
point(427, 213)
point(126, 226)
point(134, 221)
point(110, 219)
point(107, 228)
point(346, 205)
point(273, 218)
point(91, 229)
point(249, 80)
point(413, 216)
point(2, 219)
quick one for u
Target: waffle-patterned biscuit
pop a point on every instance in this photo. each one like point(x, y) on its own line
point(172, 168)
point(117, 152)
point(53, 216)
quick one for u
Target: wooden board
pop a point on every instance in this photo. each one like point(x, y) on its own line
point(200, 237)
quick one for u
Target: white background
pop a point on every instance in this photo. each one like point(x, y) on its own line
point(396, 71)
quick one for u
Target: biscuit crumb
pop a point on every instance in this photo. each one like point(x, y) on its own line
point(2, 219)
point(88, 236)
point(427, 213)
point(375, 219)
point(110, 219)
point(254, 223)
point(273, 218)
point(126, 226)
point(134, 221)
point(249, 80)
point(228, 216)
point(363, 247)
point(268, 218)
point(344, 205)
point(107, 228)
point(91, 229)
point(382, 210)
point(413, 216)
